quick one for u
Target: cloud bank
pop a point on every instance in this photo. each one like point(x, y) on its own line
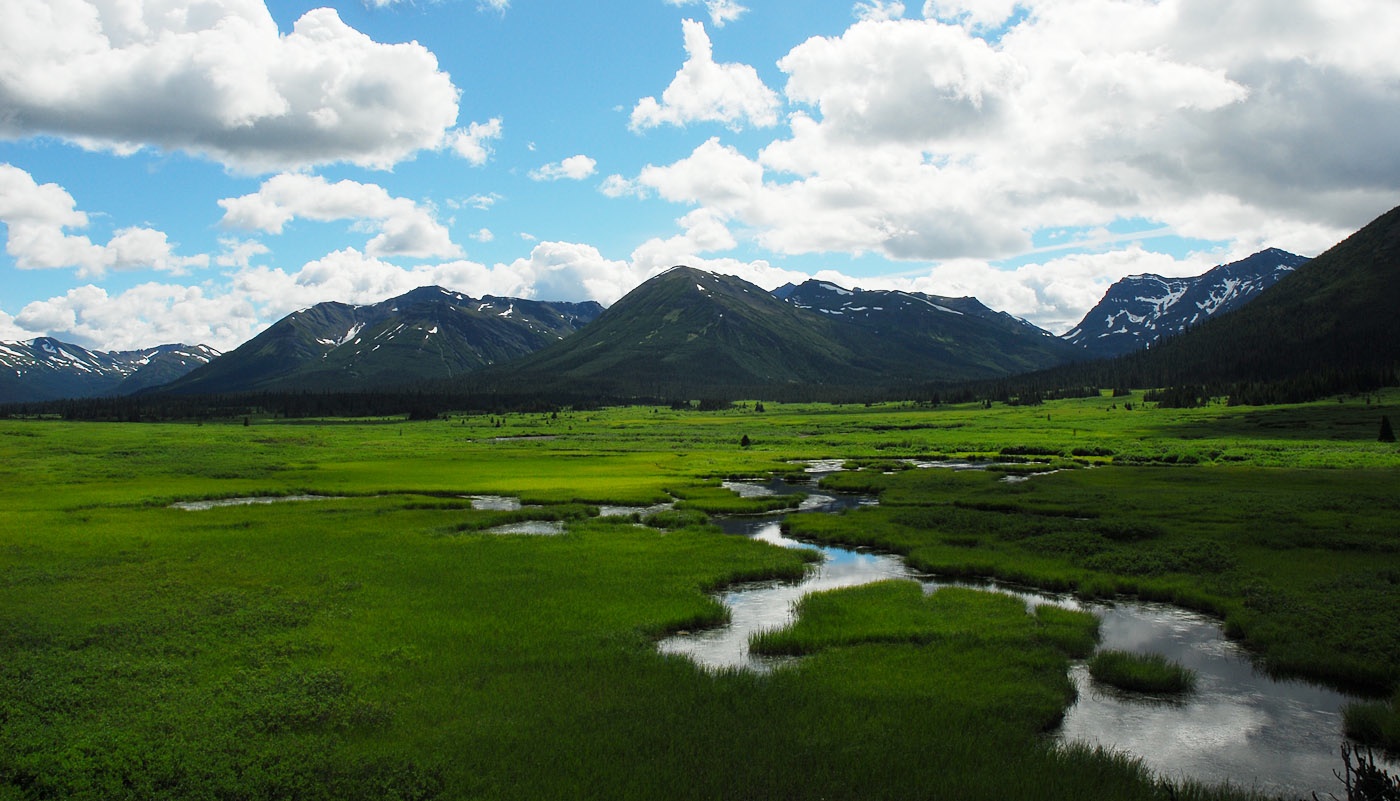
point(217, 79)
point(963, 134)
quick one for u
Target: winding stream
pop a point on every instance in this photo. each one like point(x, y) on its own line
point(1240, 726)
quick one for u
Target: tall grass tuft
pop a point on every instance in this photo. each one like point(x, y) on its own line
point(1144, 673)
point(1374, 723)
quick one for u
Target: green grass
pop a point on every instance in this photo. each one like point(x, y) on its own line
point(1141, 673)
point(1302, 564)
point(382, 644)
point(1374, 723)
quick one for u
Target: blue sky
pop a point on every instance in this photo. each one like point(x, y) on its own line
point(192, 170)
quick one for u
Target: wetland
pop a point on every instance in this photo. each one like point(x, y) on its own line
point(389, 639)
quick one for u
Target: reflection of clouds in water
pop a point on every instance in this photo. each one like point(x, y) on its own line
point(1169, 732)
point(763, 606)
point(1239, 726)
point(1255, 739)
point(823, 465)
point(494, 503)
point(534, 528)
point(746, 489)
point(624, 511)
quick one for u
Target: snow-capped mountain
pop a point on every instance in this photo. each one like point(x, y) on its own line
point(1141, 309)
point(46, 369)
point(427, 334)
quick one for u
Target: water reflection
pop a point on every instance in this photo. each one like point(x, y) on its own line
point(494, 503)
point(762, 606)
point(1240, 726)
point(625, 511)
point(539, 528)
point(200, 506)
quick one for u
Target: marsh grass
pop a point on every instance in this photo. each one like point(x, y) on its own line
point(347, 649)
point(1300, 564)
point(1141, 673)
point(899, 612)
point(1374, 723)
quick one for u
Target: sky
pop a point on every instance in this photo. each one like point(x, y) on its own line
point(194, 170)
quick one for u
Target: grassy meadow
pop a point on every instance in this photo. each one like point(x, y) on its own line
point(382, 642)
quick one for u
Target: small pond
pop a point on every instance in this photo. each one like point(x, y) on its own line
point(538, 528)
point(200, 506)
point(1240, 726)
point(494, 503)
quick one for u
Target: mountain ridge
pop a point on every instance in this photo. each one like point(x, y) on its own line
point(686, 332)
point(426, 334)
point(1138, 311)
point(45, 368)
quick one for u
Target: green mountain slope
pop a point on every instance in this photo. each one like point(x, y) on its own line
point(690, 333)
point(934, 337)
point(1332, 327)
point(689, 328)
point(1340, 315)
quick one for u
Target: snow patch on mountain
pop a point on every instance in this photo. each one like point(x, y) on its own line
point(1141, 309)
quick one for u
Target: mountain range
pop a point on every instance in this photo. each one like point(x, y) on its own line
point(1140, 310)
point(47, 369)
point(429, 333)
point(690, 333)
point(1330, 327)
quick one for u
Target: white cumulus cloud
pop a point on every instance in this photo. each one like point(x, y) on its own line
point(705, 91)
point(216, 78)
point(404, 227)
point(574, 168)
point(36, 216)
point(473, 143)
point(878, 10)
point(720, 11)
point(934, 140)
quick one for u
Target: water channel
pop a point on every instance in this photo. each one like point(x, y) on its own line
point(1240, 726)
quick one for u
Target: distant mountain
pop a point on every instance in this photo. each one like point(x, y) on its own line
point(689, 333)
point(1140, 310)
point(946, 338)
point(427, 334)
point(1332, 327)
point(47, 369)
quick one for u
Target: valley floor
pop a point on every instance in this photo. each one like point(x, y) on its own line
point(382, 641)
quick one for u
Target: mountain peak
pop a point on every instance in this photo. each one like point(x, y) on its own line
point(1139, 310)
point(426, 334)
point(45, 368)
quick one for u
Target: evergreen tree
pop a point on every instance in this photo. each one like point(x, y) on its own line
point(1387, 433)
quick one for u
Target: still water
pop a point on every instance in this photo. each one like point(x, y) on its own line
point(1240, 726)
